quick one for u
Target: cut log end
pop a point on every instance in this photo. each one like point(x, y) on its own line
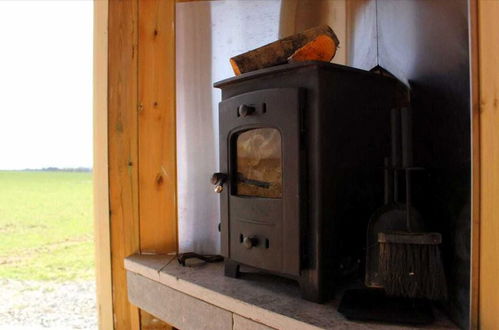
point(235, 67)
point(322, 48)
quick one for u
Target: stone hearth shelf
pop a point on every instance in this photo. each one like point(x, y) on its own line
point(201, 297)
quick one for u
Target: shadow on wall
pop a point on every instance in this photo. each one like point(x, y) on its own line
point(425, 44)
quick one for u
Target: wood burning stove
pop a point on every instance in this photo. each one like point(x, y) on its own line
point(302, 148)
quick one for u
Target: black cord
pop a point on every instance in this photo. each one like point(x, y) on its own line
point(210, 258)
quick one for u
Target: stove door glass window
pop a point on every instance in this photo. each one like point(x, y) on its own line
point(259, 163)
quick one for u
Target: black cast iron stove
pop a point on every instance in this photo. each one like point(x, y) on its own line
point(301, 168)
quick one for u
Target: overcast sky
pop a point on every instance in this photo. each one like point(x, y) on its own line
point(45, 84)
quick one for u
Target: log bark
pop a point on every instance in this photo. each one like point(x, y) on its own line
point(279, 51)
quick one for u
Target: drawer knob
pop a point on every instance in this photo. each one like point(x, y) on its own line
point(250, 242)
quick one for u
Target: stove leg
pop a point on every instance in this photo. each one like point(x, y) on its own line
point(231, 268)
point(311, 290)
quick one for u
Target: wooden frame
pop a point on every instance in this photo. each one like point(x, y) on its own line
point(100, 174)
point(487, 162)
point(135, 147)
point(135, 157)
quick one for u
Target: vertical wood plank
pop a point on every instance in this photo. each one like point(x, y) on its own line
point(156, 134)
point(100, 174)
point(123, 155)
point(488, 32)
point(157, 137)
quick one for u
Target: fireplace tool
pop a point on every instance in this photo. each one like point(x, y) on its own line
point(410, 263)
point(391, 216)
point(400, 254)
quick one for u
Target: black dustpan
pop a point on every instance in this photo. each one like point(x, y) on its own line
point(374, 305)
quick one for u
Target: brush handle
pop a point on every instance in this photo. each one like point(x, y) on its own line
point(407, 151)
point(408, 199)
point(396, 151)
point(396, 137)
point(406, 121)
point(388, 178)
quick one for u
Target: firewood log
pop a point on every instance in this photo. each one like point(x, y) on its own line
point(321, 48)
point(279, 51)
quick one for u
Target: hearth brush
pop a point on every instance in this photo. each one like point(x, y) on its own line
point(410, 263)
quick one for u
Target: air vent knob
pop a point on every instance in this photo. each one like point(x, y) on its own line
point(245, 110)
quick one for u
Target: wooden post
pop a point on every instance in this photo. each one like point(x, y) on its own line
point(123, 153)
point(488, 64)
point(157, 127)
point(157, 134)
point(475, 154)
point(141, 154)
point(100, 174)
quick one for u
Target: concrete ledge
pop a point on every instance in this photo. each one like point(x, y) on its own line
point(159, 285)
point(181, 310)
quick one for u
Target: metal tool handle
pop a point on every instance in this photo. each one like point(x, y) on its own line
point(407, 159)
point(396, 138)
point(407, 130)
point(388, 178)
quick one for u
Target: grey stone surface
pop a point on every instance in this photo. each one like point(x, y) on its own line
point(178, 309)
point(147, 265)
point(274, 294)
point(265, 299)
point(242, 323)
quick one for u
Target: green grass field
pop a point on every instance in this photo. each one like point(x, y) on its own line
point(46, 229)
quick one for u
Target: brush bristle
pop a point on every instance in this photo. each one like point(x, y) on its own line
point(412, 270)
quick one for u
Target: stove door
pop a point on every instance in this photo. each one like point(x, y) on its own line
point(260, 205)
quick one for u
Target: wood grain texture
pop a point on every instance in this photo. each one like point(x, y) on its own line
point(141, 143)
point(157, 137)
point(123, 153)
point(488, 47)
point(151, 322)
point(156, 134)
point(100, 174)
